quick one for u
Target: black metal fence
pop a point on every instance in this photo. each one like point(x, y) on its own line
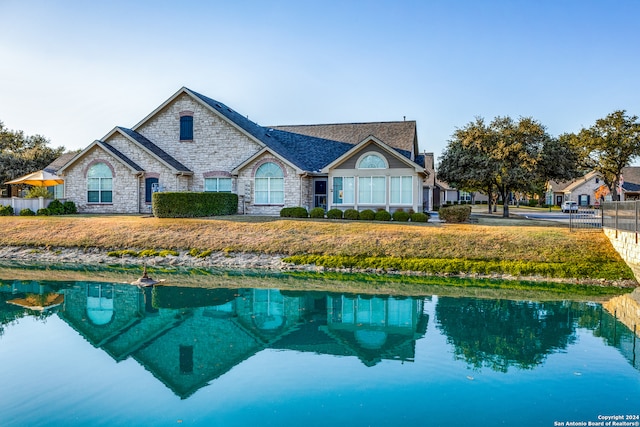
point(586, 218)
point(621, 215)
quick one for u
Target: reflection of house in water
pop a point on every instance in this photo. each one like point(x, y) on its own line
point(216, 329)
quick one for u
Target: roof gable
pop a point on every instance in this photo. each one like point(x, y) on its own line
point(373, 140)
point(117, 154)
point(150, 147)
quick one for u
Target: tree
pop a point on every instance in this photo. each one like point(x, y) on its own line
point(608, 146)
point(504, 157)
point(466, 163)
point(20, 154)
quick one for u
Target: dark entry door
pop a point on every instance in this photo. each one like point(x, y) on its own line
point(148, 186)
point(320, 194)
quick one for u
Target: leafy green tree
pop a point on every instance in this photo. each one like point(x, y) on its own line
point(608, 146)
point(505, 156)
point(466, 163)
point(20, 154)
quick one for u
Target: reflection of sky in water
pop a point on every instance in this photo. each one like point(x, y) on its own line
point(52, 376)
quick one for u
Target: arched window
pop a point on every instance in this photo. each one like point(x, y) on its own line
point(99, 184)
point(372, 161)
point(269, 188)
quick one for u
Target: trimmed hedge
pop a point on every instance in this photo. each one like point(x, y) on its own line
point(351, 214)
point(43, 212)
point(192, 205)
point(334, 214)
point(295, 212)
point(6, 210)
point(460, 213)
point(367, 215)
point(419, 217)
point(400, 216)
point(383, 215)
point(27, 212)
point(316, 213)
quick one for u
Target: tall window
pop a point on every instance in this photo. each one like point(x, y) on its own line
point(371, 189)
point(372, 161)
point(99, 184)
point(269, 188)
point(217, 185)
point(186, 128)
point(401, 191)
point(343, 190)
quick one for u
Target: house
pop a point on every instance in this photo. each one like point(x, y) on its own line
point(195, 143)
point(583, 189)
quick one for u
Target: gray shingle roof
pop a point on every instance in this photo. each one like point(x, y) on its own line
point(399, 135)
point(121, 156)
point(159, 152)
point(64, 158)
point(313, 147)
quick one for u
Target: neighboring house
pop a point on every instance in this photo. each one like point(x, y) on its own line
point(582, 190)
point(194, 143)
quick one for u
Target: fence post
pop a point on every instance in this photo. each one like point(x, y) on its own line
point(635, 214)
point(616, 217)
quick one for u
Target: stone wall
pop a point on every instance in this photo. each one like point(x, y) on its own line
point(628, 246)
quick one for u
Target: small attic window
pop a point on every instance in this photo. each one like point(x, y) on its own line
point(186, 128)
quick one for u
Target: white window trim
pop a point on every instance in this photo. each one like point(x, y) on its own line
point(372, 203)
point(370, 153)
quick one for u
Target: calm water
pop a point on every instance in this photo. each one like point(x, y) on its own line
point(107, 354)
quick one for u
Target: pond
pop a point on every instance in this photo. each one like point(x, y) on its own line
point(106, 354)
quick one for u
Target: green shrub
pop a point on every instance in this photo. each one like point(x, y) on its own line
point(6, 210)
point(455, 213)
point(194, 252)
point(69, 208)
point(367, 215)
point(43, 212)
point(35, 192)
point(383, 215)
point(192, 205)
point(316, 213)
point(419, 217)
point(56, 207)
point(351, 214)
point(533, 203)
point(400, 215)
point(295, 212)
point(334, 214)
point(285, 212)
point(27, 212)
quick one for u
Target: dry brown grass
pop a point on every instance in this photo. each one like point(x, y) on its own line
point(289, 236)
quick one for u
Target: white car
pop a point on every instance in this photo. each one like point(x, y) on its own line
point(570, 206)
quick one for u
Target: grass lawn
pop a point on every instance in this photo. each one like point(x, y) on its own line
point(493, 245)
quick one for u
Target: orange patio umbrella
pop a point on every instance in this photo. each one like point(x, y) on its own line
point(40, 178)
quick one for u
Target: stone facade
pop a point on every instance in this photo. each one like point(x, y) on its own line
point(223, 145)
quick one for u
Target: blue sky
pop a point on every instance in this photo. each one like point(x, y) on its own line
point(72, 70)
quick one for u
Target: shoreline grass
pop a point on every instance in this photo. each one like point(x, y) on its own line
point(467, 248)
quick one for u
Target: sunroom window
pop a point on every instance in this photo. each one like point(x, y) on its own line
point(269, 185)
point(401, 192)
point(343, 190)
point(371, 190)
point(99, 184)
